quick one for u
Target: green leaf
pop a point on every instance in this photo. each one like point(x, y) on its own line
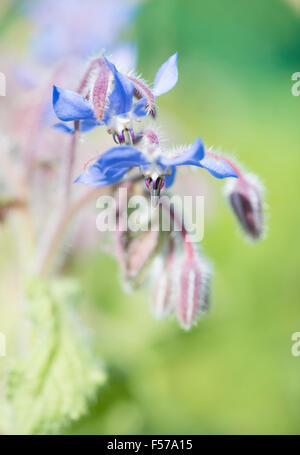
point(56, 381)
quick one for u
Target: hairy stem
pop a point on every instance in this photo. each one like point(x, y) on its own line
point(44, 266)
point(70, 165)
point(183, 231)
point(45, 260)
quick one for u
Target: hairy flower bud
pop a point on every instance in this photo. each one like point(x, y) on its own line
point(245, 196)
point(193, 289)
point(134, 250)
point(139, 252)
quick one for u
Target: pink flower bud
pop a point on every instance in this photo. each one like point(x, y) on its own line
point(140, 251)
point(245, 196)
point(133, 250)
point(193, 289)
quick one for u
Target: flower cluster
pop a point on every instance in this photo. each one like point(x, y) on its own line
point(45, 218)
point(43, 215)
point(125, 105)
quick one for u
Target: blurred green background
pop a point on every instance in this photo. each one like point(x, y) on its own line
point(234, 372)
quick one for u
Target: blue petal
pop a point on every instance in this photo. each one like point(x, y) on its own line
point(217, 167)
point(107, 115)
point(63, 128)
point(95, 177)
point(120, 100)
point(166, 77)
point(121, 157)
point(70, 105)
point(139, 108)
point(111, 166)
point(88, 124)
point(192, 156)
point(169, 179)
point(84, 126)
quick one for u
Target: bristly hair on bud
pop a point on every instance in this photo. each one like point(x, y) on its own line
point(135, 251)
point(193, 287)
point(100, 89)
point(162, 280)
point(246, 199)
point(140, 251)
point(141, 90)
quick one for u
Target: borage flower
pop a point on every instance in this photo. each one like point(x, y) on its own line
point(156, 164)
point(105, 97)
point(77, 29)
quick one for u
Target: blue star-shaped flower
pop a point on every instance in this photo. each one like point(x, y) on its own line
point(121, 109)
point(159, 171)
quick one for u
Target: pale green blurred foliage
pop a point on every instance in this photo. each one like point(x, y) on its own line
point(60, 375)
point(295, 4)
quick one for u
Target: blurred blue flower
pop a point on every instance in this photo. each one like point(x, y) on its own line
point(76, 28)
